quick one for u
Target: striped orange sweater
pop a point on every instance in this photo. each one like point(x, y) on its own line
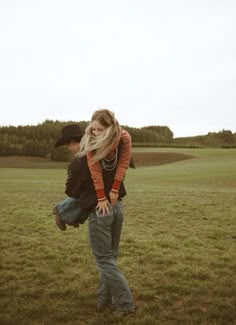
point(122, 166)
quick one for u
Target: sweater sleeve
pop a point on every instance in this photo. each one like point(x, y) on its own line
point(96, 174)
point(123, 162)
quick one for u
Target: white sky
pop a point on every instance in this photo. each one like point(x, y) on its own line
point(152, 62)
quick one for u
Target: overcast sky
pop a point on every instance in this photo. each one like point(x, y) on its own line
point(152, 62)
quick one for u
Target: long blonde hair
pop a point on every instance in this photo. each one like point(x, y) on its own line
point(101, 144)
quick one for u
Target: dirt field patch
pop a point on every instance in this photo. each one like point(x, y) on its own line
point(157, 158)
point(140, 159)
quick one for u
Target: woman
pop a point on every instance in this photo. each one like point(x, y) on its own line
point(108, 151)
point(100, 144)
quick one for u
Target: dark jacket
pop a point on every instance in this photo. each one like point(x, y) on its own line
point(73, 179)
point(80, 185)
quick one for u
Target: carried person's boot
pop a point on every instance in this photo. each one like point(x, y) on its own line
point(60, 224)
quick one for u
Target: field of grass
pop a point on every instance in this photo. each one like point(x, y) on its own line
point(178, 246)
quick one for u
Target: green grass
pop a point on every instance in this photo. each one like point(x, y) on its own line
point(178, 246)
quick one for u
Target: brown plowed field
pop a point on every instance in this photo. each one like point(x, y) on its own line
point(140, 159)
point(157, 158)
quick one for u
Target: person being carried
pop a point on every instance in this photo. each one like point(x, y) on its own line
point(68, 211)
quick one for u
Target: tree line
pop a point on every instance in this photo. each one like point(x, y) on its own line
point(221, 139)
point(38, 140)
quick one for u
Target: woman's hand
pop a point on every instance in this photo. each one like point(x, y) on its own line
point(113, 198)
point(102, 207)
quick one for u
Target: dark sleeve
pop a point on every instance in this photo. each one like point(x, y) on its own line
point(131, 163)
point(73, 180)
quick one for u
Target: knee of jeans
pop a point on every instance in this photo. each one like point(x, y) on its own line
point(106, 266)
point(115, 254)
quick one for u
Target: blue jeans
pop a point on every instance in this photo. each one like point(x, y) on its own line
point(104, 237)
point(69, 211)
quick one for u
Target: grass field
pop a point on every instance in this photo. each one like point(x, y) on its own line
point(178, 247)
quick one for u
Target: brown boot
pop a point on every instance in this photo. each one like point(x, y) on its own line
point(60, 224)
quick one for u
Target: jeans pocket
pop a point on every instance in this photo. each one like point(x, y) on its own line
point(106, 219)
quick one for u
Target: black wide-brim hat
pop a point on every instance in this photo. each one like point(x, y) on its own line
point(69, 132)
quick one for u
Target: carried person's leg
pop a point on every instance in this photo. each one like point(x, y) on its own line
point(67, 212)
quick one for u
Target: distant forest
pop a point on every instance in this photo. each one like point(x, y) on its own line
point(39, 140)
